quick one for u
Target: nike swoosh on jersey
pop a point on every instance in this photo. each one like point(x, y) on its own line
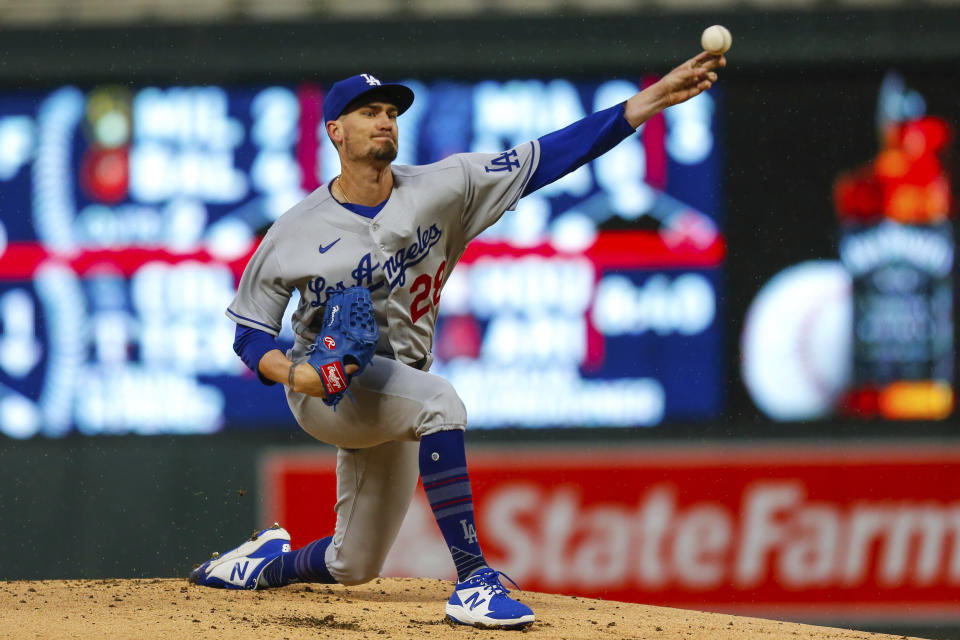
point(324, 249)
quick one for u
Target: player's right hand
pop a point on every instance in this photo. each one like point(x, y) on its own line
point(690, 79)
point(307, 381)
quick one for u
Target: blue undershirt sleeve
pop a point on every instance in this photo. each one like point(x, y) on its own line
point(573, 146)
point(251, 345)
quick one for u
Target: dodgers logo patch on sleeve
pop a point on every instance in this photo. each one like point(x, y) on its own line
point(506, 161)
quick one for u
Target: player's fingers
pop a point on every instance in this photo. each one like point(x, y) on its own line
point(351, 369)
point(692, 75)
point(702, 75)
point(699, 59)
point(702, 59)
point(710, 61)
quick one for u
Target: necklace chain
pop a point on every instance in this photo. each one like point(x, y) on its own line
point(343, 192)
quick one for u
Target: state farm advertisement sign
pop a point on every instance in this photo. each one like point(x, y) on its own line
point(846, 530)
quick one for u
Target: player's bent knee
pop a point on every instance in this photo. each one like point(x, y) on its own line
point(357, 575)
point(443, 409)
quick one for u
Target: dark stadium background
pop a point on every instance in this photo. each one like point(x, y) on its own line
point(799, 96)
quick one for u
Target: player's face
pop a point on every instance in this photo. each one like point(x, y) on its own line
point(370, 132)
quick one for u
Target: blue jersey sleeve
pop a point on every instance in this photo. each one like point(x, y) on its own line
point(573, 146)
point(251, 345)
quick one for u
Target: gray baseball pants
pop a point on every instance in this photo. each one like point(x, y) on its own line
point(377, 438)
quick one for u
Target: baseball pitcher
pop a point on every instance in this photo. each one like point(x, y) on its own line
point(369, 254)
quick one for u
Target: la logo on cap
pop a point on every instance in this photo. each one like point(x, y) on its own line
point(373, 82)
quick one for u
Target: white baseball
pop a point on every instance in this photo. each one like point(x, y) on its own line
point(716, 39)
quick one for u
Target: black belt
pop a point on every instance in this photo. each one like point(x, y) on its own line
point(417, 364)
point(421, 363)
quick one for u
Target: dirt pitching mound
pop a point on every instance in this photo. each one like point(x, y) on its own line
point(386, 608)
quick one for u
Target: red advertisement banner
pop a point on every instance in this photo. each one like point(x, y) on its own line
point(848, 530)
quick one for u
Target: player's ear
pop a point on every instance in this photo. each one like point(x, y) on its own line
point(335, 131)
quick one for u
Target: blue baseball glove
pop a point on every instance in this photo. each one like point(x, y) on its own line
point(349, 336)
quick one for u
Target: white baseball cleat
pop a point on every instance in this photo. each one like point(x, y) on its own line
point(482, 601)
point(241, 568)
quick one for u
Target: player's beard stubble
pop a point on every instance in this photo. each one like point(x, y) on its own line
point(378, 151)
point(384, 153)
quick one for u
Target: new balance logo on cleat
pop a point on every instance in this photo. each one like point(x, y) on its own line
point(241, 567)
point(239, 572)
point(475, 601)
point(482, 600)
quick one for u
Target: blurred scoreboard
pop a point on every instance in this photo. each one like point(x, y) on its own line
point(128, 214)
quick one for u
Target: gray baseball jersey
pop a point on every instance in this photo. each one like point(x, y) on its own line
point(402, 255)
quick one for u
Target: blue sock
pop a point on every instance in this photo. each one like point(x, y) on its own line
point(306, 564)
point(443, 470)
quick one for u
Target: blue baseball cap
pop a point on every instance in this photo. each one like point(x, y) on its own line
point(346, 91)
